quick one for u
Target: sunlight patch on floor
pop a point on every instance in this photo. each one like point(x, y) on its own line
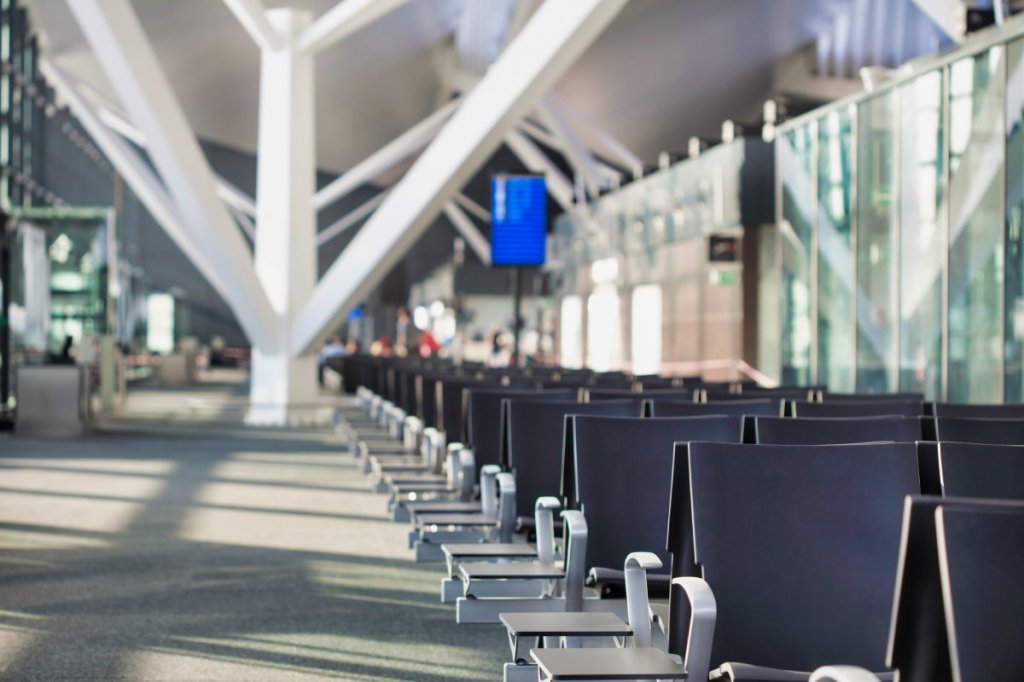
point(141, 467)
point(44, 540)
point(106, 516)
point(127, 487)
point(171, 666)
point(13, 643)
point(302, 533)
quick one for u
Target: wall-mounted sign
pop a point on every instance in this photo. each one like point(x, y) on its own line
point(723, 249)
point(519, 220)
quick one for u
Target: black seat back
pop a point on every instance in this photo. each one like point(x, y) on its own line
point(973, 430)
point(981, 470)
point(744, 408)
point(981, 555)
point(975, 411)
point(789, 537)
point(775, 393)
point(862, 397)
point(484, 417)
point(450, 414)
point(622, 479)
point(533, 440)
point(674, 408)
point(825, 431)
point(850, 408)
point(426, 399)
point(918, 638)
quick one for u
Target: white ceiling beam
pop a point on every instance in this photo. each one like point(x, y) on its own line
point(233, 196)
point(469, 231)
point(136, 172)
point(117, 122)
point(541, 135)
point(536, 161)
point(402, 147)
point(123, 50)
point(947, 15)
point(350, 219)
point(548, 45)
point(476, 209)
point(611, 145)
point(576, 152)
point(244, 221)
point(253, 18)
point(345, 18)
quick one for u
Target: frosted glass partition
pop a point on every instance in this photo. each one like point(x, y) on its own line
point(795, 151)
point(835, 261)
point(877, 292)
point(899, 231)
point(922, 243)
point(1014, 316)
point(571, 332)
point(604, 345)
point(646, 329)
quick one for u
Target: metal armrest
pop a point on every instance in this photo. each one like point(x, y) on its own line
point(453, 463)
point(575, 558)
point(703, 613)
point(843, 673)
point(412, 430)
point(506, 505)
point(465, 478)
point(638, 606)
point(544, 518)
point(431, 446)
point(488, 488)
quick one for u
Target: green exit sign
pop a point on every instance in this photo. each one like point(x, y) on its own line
point(723, 277)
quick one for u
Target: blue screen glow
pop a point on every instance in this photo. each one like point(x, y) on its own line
point(519, 219)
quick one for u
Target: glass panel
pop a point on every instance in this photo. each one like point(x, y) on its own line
point(976, 165)
point(604, 349)
point(571, 333)
point(1014, 372)
point(877, 222)
point(796, 160)
point(922, 237)
point(646, 327)
point(835, 259)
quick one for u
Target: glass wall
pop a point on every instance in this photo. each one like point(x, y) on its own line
point(877, 227)
point(834, 270)
point(923, 233)
point(797, 201)
point(1014, 318)
point(916, 257)
point(976, 164)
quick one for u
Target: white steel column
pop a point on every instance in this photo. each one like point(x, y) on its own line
point(286, 252)
point(555, 36)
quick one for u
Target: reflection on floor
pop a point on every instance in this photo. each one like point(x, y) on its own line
point(214, 554)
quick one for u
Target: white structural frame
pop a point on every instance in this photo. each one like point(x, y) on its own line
point(343, 19)
point(253, 18)
point(577, 153)
point(123, 50)
point(351, 218)
point(559, 187)
point(275, 296)
point(387, 157)
point(947, 15)
point(469, 231)
point(143, 182)
point(552, 39)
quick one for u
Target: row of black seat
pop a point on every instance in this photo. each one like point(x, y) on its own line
point(788, 528)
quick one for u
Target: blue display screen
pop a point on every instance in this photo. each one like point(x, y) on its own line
point(519, 220)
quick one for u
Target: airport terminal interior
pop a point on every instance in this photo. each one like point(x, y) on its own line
point(514, 340)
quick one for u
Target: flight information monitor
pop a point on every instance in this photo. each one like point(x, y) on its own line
point(519, 220)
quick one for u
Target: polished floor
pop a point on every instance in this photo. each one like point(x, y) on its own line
point(157, 551)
